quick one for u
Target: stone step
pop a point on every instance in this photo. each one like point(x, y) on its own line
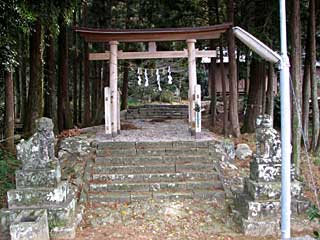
point(142, 160)
point(153, 187)
point(101, 145)
point(152, 152)
point(154, 177)
point(155, 117)
point(217, 195)
point(157, 109)
point(159, 106)
point(154, 168)
point(162, 111)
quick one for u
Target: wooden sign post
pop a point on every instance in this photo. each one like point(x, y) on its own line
point(197, 109)
point(107, 111)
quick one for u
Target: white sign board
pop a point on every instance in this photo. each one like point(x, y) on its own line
point(107, 110)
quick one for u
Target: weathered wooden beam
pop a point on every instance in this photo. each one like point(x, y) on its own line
point(152, 55)
point(152, 35)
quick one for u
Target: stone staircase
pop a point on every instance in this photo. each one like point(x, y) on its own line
point(151, 111)
point(129, 171)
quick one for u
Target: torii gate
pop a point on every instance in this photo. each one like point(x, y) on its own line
point(114, 36)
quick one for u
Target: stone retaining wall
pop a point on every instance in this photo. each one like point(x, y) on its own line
point(157, 112)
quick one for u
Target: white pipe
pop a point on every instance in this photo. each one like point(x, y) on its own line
point(256, 45)
point(285, 128)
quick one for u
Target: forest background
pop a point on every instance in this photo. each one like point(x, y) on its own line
point(45, 70)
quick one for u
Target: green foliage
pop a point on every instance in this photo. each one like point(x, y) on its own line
point(8, 165)
point(12, 21)
point(166, 96)
point(313, 214)
point(133, 102)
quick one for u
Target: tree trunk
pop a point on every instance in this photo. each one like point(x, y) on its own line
point(306, 91)
point(224, 92)
point(297, 85)
point(50, 100)
point(124, 94)
point(213, 8)
point(93, 81)
point(17, 86)
point(80, 62)
point(75, 73)
point(9, 117)
point(314, 84)
point(234, 118)
point(23, 67)
point(213, 103)
point(87, 112)
point(255, 98)
point(80, 88)
point(248, 63)
point(64, 113)
point(270, 95)
point(35, 95)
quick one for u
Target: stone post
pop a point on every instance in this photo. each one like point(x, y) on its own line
point(107, 111)
point(258, 209)
point(39, 186)
point(198, 110)
point(114, 86)
point(192, 72)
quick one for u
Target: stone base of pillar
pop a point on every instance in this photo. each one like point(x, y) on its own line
point(193, 132)
point(114, 134)
point(119, 131)
point(107, 136)
point(197, 135)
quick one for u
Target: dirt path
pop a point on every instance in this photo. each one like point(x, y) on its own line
point(185, 219)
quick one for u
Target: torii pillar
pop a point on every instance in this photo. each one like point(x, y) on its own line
point(114, 87)
point(192, 73)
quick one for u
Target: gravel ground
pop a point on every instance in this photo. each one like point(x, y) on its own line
point(184, 219)
point(149, 130)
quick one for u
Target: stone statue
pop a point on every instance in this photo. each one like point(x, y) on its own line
point(38, 151)
point(267, 139)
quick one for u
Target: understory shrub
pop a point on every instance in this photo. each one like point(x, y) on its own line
point(8, 165)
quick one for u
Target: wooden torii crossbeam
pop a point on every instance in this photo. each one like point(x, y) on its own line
point(114, 36)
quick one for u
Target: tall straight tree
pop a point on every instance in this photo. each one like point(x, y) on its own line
point(306, 90)
point(213, 10)
point(224, 90)
point(64, 113)
point(270, 94)
point(87, 111)
point(80, 57)
point(125, 82)
point(314, 83)
point(11, 25)
point(75, 71)
point(255, 98)
point(9, 114)
point(50, 98)
point(233, 89)
point(297, 83)
point(23, 69)
point(35, 96)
